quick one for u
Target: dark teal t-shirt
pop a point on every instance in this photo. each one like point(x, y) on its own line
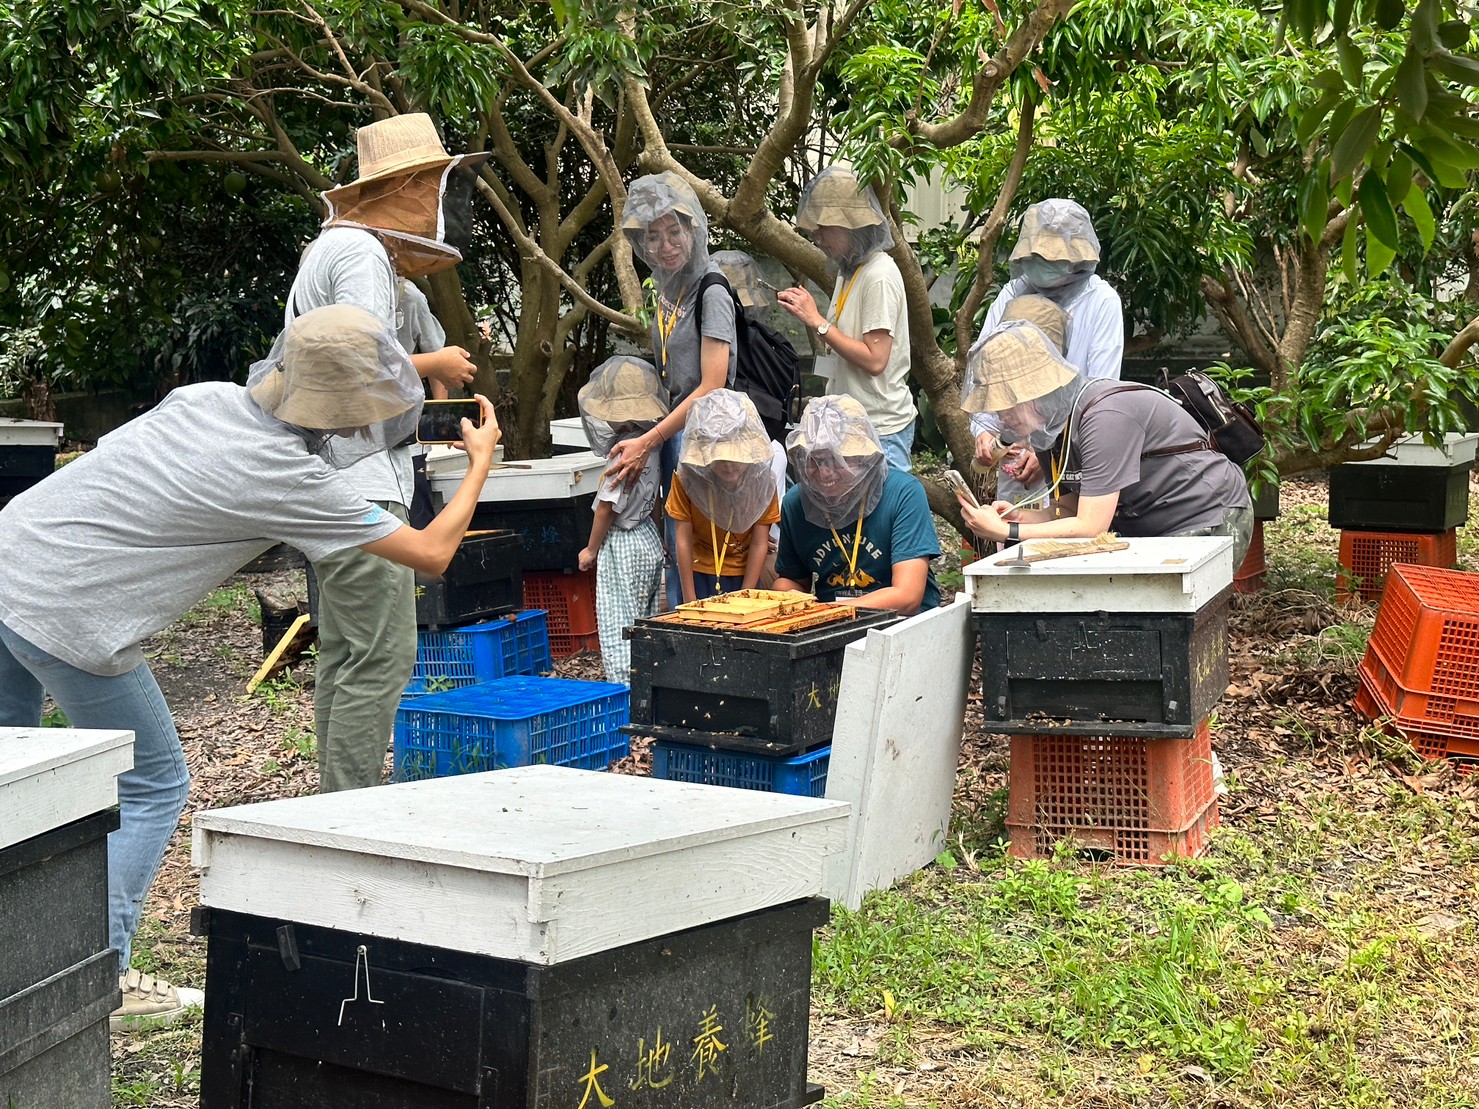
point(899, 529)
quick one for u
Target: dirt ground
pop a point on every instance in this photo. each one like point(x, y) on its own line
point(1285, 666)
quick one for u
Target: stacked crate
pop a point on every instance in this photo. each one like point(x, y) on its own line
point(1251, 575)
point(743, 708)
point(1104, 669)
point(569, 597)
point(1421, 669)
point(1404, 507)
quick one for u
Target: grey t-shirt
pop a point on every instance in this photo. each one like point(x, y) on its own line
point(633, 503)
point(1159, 495)
point(115, 546)
point(348, 266)
point(682, 370)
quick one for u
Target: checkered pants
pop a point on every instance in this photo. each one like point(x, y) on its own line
point(628, 583)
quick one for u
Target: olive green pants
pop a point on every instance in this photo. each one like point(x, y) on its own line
point(366, 650)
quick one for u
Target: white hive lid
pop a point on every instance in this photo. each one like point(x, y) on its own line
point(533, 479)
point(53, 776)
point(569, 432)
point(1177, 574)
point(539, 863)
point(29, 433)
point(1457, 449)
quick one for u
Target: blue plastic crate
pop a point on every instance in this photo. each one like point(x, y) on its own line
point(803, 775)
point(518, 721)
point(517, 644)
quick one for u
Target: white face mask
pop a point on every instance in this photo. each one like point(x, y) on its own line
point(1042, 274)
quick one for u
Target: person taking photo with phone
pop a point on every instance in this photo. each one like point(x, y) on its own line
point(115, 546)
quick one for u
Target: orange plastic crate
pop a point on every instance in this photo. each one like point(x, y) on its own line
point(1124, 846)
point(1067, 782)
point(1456, 716)
point(570, 600)
point(1367, 556)
point(1250, 575)
point(1429, 741)
point(1427, 631)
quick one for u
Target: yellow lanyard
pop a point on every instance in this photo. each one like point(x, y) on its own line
point(842, 297)
point(664, 330)
point(719, 554)
point(852, 563)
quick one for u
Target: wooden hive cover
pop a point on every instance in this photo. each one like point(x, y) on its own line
point(53, 776)
point(541, 864)
point(1150, 575)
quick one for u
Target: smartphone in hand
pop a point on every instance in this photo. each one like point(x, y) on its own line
point(957, 483)
point(441, 420)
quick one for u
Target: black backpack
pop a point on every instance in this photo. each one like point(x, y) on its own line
point(1232, 427)
point(766, 366)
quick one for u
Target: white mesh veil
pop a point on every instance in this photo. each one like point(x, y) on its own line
point(1057, 250)
point(623, 394)
point(424, 218)
point(835, 198)
point(668, 230)
point(1022, 378)
point(838, 462)
point(340, 378)
point(725, 460)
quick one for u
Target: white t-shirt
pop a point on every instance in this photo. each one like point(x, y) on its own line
point(873, 300)
point(114, 546)
point(349, 266)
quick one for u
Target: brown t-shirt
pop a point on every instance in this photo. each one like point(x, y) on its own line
point(1112, 432)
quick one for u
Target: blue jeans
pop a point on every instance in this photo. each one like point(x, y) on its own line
point(898, 447)
point(151, 796)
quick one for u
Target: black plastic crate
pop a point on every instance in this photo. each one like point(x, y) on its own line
point(58, 976)
point(554, 531)
point(485, 578)
point(451, 1030)
point(748, 691)
point(1153, 675)
point(1373, 497)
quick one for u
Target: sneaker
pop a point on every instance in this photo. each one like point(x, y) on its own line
point(150, 1002)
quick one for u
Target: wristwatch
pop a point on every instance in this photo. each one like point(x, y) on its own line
point(1014, 532)
point(823, 328)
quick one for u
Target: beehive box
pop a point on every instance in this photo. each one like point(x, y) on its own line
point(485, 578)
point(1414, 487)
point(1130, 642)
point(27, 454)
point(58, 976)
point(769, 694)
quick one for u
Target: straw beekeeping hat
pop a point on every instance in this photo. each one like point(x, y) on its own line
point(1046, 316)
point(835, 198)
point(1016, 363)
point(1058, 231)
point(402, 144)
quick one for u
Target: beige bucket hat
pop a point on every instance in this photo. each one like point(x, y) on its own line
point(1057, 230)
point(1015, 364)
point(1051, 320)
point(835, 198)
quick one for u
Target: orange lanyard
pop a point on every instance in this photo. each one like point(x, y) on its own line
point(852, 563)
point(664, 330)
point(842, 297)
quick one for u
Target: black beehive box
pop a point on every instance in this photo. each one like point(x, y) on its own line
point(300, 1016)
point(58, 976)
point(1154, 675)
point(485, 578)
point(771, 694)
point(554, 532)
point(1373, 497)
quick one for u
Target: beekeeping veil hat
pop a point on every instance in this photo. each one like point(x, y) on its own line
point(621, 391)
point(410, 193)
point(725, 460)
point(1057, 250)
point(1041, 312)
point(836, 198)
point(339, 377)
point(838, 461)
point(743, 275)
point(1021, 377)
point(668, 230)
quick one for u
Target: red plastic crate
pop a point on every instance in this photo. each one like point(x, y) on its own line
point(1429, 741)
point(1124, 846)
point(1427, 631)
point(1453, 715)
point(570, 600)
point(1067, 782)
point(1367, 556)
point(1250, 575)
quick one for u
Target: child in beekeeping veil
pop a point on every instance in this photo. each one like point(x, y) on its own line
point(623, 400)
point(723, 498)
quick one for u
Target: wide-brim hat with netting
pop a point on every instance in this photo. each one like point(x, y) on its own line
point(1043, 314)
point(836, 198)
point(1014, 364)
point(725, 462)
point(621, 390)
point(398, 145)
point(657, 194)
point(1057, 230)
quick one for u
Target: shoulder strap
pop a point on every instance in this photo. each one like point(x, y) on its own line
point(707, 282)
point(1186, 448)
